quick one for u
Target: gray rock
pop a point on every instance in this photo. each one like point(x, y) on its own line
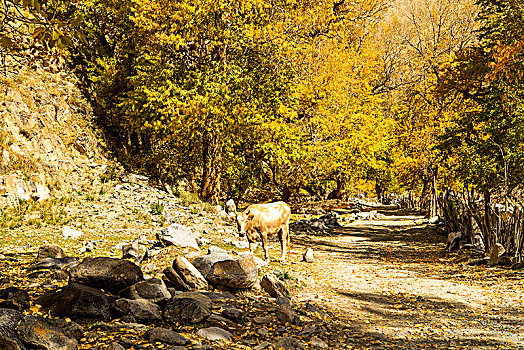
point(263, 332)
point(109, 274)
point(37, 332)
point(308, 255)
point(318, 343)
point(263, 345)
point(242, 244)
point(231, 206)
point(167, 336)
point(232, 313)
point(14, 298)
point(191, 276)
point(214, 250)
point(9, 320)
point(216, 320)
point(71, 233)
point(172, 278)
point(54, 263)
point(77, 301)
point(187, 307)
point(261, 320)
point(289, 343)
point(140, 309)
point(274, 287)
point(241, 273)
point(214, 333)
point(205, 262)
point(50, 251)
point(178, 235)
point(284, 301)
point(130, 250)
point(153, 289)
point(285, 314)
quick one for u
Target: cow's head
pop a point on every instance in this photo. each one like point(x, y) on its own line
point(241, 219)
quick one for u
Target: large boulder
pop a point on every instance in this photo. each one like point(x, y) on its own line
point(140, 309)
point(78, 301)
point(231, 207)
point(187, 307)
point(239, 273)
point(205, 262)
point(178, 235)
point(172, 278)
point(38, 333)
point(109, 274)
point(50, 251)
point(274, 287)
point(153, 289)
point(9, 320)
point(191, 276)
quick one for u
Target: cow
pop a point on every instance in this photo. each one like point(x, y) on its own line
point(262, 220)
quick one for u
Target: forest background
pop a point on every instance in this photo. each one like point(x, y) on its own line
point(421, 99)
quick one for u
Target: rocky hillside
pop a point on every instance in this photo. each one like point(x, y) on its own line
point(47, 136)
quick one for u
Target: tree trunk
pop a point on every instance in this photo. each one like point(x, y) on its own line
point(212, 159)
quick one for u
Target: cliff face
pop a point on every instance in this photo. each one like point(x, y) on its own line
point(47, 136)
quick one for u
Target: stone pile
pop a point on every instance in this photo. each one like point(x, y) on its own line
point(104, 290)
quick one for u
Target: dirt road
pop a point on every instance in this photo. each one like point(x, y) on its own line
point(394, 287)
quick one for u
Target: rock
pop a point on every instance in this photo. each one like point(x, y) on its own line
point(52, 263)
point(259, 262)
point(261, 320)
point(77, 301)
point(9, 320)
point(241, 273)
point(38, 333)
point(68, 232)
point(178, 235)
point(242, 244)
point(263, 332)
point(115, 346)
point(289, 343)
point(191, 276)
point(216, 320)
point(284, 301)
point(205, 262)
point(215, 250)
point(481, 261)
point(497, 251)
point(134, 179)
point(173, 278)
point(274, 287)
point(318, 343)
point(262, 346)
point(214, 333)
point(232, 313)
point(14, 298)
point(50, 251)
point(140, 309)
point(87, 247)
point(153, 289)
point(109, 274)
point(166, 336)
point(187, 307)
point(68, 327)
point(308, 255)
point(285, 314)
point(130, 250)
point(231, 206)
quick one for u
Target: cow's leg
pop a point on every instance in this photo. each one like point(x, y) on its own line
point(251, 247)
point(282, 236)
point(264, 246)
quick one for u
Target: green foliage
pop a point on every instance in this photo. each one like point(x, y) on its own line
point(157, 208)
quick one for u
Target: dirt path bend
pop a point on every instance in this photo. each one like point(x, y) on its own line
point(394, 287)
